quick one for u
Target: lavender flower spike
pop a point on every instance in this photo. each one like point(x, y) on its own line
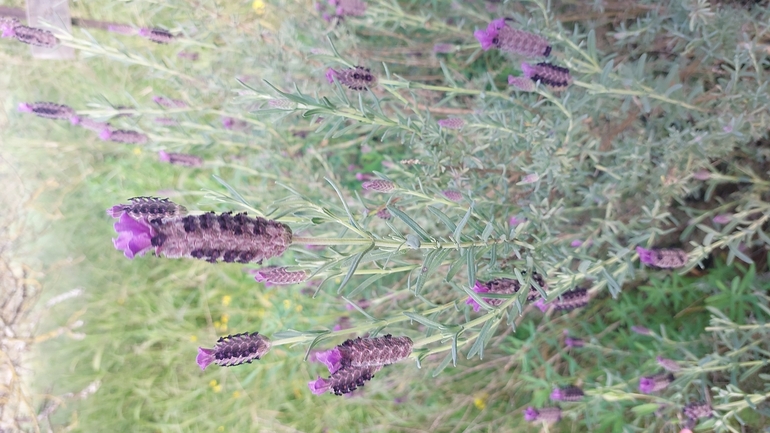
point(663, 258)
point(521, 83)
point(556, 77)
point(571, 300)
point(35, 36)
point(505, 286)
point(148, 207)
point(85, 122)
point(451, 123)
point(278, 276)
point(385, 350)
point(569, 393)
point(123, 136)
point(379, 185)
point(348, 8)
point(545, 414)
point(668, 364)
point(697, 410)
point(650, 384)
point(47, 110)
point(344, 380)
point(157, 35)
point(234, 350)
point(182, 159)
point(574, 342)
point(452, 194)
point(358, 78)
point(231, 238)
point(498, 34)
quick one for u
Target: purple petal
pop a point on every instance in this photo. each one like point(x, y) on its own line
point(105, 134)
point(542, 305)
point(318, 386)
point(527, 69)
point(134, 237)
point(332, 359)
point(204, 358)
point(163, 156)
point(116, 211)
point(25, 108)
point(645, 255)
point(646, 385)
point(484, 39)
point(530, 414)
point(330, 74)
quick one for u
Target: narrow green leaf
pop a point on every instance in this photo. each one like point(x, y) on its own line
point(410, 222)
point(442, 216)
point(353, 266)
point(424, 320)
point(461, 225)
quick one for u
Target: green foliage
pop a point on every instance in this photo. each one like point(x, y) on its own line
point(660, 92)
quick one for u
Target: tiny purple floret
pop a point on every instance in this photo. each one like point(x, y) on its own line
point(318, 386)
point(530, 414)
point(478, 288)
point(205, 357)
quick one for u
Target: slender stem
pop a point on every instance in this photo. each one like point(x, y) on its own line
point(399, 245)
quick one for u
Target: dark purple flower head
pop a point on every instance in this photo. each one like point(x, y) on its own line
point(234, 350)
point(227, 237)
point(576, 298)
point(157, 35)
point(123, 136)
point(668, 364)
point(498, 34)
point(278, 276)
point(521, 83)
point(344, 381)
point(379, 185)
point(545, 414)
point(505, 286)
point(134, 236)
point(47, 110)
point(669, 258)
point(451, 123)
point(358, 78)
point(550, 75)
point(148, 207)
point(180, 159)
point(697, 410)
point(650, 384)
point(35, 36)
point(569, 393)
point(384, 350)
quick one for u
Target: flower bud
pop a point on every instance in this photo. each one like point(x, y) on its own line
point(47, 110)
point(452, 194)
point(663, 258)
point(498, 34)
point(35, 36)
point(451, 123)
point(571, 300)
point(545, 414)
point(157, 35)
point(569, 393)
point(148, 207)
point(123, 136)
point(234, 350)
point(550, 75)
point(505, 286)
point(697, 410)
point(379, 185)
point(668, 364)
point(358, 78)
point(650, 384)
point(363, 352)
point(180, 159)
point(521, 83)
point(344, 380)
point(278, 276)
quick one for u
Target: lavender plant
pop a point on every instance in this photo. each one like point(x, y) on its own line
point(435, 184)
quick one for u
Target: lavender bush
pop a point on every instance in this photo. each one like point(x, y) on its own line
point(361, 164)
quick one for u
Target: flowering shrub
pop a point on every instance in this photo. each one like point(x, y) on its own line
point(445, 176)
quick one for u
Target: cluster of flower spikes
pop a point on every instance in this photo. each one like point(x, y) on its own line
point(576, 298)
point(234, 350)
point(51, 110)
point(500, 35)
point(354, 362)
point(12, 28)
point(149, 222)
point(359, 78)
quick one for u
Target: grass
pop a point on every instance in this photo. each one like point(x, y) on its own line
point(614, 158)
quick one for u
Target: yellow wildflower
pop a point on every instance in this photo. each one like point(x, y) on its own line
point(193, 338)
point(259, 7)
point(298, 308)
point(226, 300)
point(137, 151)
point(286, 303)
point(480, 401)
